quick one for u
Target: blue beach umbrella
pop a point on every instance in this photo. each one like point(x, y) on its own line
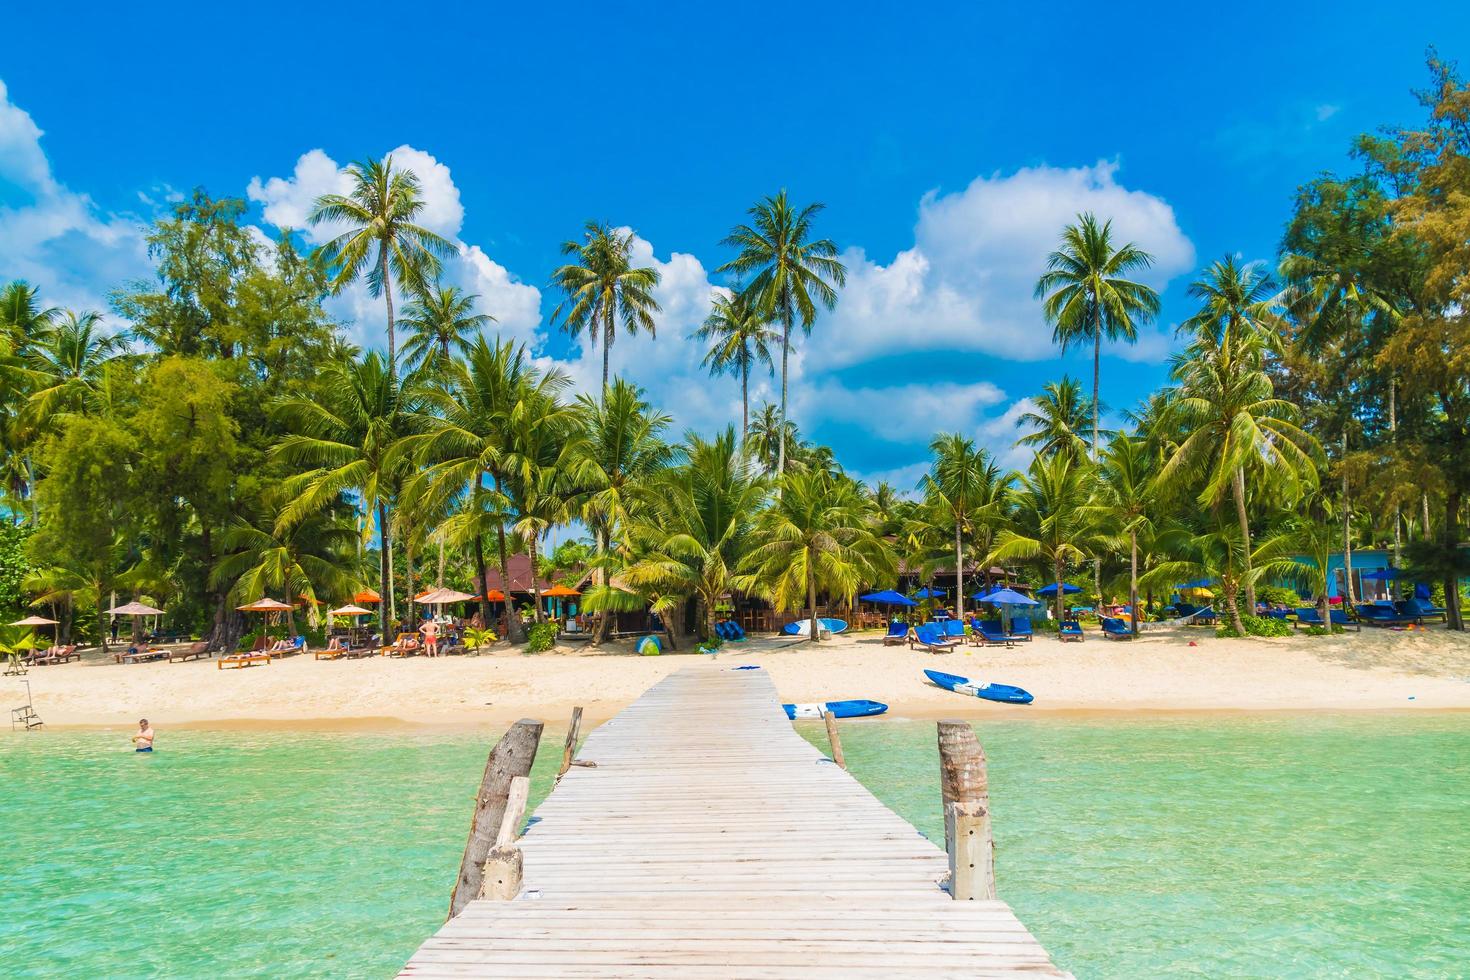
point(1385, 575)
point(1005, 597)
point(1067, 589)
point(927, 593)
point(888, 597)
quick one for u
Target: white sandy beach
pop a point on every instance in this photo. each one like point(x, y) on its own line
point(1374, 670)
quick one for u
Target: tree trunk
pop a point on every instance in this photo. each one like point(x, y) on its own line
point(1245, 535)
point(744, 404)
point(102, 618)
point(811, 598)
point(383, 622)
point(388, 298)
point(484, 573)
point(408, 571)
point(439, 579)
point(535, 581)
point(1060, 598)
point(959, 574)
point(513, 629)
point(1393, 434)
point(1453, 619)
point(1232, 604)
point(1096, 382)
point(1133, 578)
point(604, 619)
point(1349, 593)
point(389, 598)
point(785, 353)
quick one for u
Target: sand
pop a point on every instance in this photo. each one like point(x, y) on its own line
point(1186, 669)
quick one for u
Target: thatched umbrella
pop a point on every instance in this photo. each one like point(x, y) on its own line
point(32, 621)
point(135, 609)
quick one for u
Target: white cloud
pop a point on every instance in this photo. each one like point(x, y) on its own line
point(1000, 432)
point(287, 202)
point(910, 411)
point(54, 237)
point(966, 284)
point(1326, 111)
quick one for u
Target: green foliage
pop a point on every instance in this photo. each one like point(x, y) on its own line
point(1279, 595)
point(1257, 626)
point(540, 637)
point(14, 567)
point(477, 639)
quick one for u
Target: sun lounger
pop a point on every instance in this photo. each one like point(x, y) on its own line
point(237, 660)
point(1340, 618)
point(1021, 629)
point(988, 632)
point(405, 646)
point(1376, 615)
point(334, 649)
point(1115, 629)
point(1070, 629)
point(1308, 616)
point(898, 633)
point(954, 630)
point(1419, 609)
point(931, 637)
point(141, 656)
point(57, 655)
point(194, 651)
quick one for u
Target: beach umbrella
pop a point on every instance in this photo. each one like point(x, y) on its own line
point(1004, 599)
point(34, 621)
point(494, 595)
point(439, 597)
point(928, 593)
point(560, 592)
point(1067, 589)
point(888, 597)
point(135, 609)
point(367, 596)
point(266, 606)
point(1385, 575)
point(349, 611)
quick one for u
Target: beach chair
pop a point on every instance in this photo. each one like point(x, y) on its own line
point(1419, 609)
point(898, 634)
point(1308, 616)
point(252, 658)
point(1021, 629)
point(931, 637)
point(334, 650)
point(405, 646)
point(1340, 618)
point(1115, 629)
point(954, 630)
point(142, 656)
point(1069, 629)
point(1376, 615)
point(194, 651)
point(988, 633)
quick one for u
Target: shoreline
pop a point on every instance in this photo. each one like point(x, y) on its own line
point(1180, 673)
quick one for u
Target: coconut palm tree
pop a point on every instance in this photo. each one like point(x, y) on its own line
point(696, 524)
point(961, 483)
point(742, 339)
point(623, 449)
point(602, 288)
point(1127, 474)
point(382, 241)
point(1238, 431)
point(1085, 294)
point(766, 434)
point(789, 274)
point(69, 363)
point(22, 319)
point(817, 535)
point(347, 438)
point(1055, 518)
point(441, 320)
point(1058, 421)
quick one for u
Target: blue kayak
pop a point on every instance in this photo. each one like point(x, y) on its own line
point(1004, 693)
point(841, 709)
point(803, 627)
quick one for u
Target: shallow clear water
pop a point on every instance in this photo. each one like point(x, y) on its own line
point(1303, 846)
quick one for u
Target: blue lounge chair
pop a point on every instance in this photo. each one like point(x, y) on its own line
point(931, 637)
point(987, 632)
point(1419, 608)
point(954, 630)
point(1308, 616)
point(1376, 615)
point(1340, 618)
point(1115, 629)
point(1021, 628)
point(897, 633)
point(1070, 629)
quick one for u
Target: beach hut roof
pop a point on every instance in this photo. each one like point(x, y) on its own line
point(520, 576)
point(135, 609)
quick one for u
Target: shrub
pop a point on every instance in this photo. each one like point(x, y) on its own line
point(1278, 596)
point(1257, 626)
point(541, 636)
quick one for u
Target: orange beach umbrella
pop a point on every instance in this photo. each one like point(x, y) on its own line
point(560, 592)
point(367, 596)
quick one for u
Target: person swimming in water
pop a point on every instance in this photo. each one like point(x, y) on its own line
point(143, 741)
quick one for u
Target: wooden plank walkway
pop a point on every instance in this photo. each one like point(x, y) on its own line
point(714, 841)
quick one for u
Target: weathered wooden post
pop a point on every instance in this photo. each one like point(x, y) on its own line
point(511, 757)
point(502, 880)
point(966, 794)
point(834, 739)
point(574, 731)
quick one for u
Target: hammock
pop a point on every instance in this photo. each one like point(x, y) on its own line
point(1177, 621)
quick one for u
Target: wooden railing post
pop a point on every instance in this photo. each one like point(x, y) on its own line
point(966, 796)
point(511, 757)
point(502, 880)
point(834, 739)
point(574, 731)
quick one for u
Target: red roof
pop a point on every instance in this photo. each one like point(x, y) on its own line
point(519, 567)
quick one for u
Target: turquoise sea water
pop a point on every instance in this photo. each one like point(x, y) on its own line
point(1302, 846)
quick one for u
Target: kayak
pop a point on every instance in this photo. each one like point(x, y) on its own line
point(840, 709)
point(803, 627)
point(1004, 693)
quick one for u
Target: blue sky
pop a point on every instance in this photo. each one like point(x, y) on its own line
point(948, 143)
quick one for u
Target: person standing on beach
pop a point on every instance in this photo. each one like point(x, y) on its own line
point(430, 629)
point(143, 741)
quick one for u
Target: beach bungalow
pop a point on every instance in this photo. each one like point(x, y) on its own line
point(1364, 563)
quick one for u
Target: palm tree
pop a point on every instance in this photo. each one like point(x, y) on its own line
point(602, 288)
point(544, 448)
point(22, 320)
point(1236, 427)
point(742, 340)
point(789, 274)
point(695, 525)
point(767, 433)
point(1055, 518)
point(1085, 295)
point(466, 442)
point(1128, 485)
point(1059, 420)
point(623, 450)
point(347, 438)
point(816, 536)
point(69, 363)
point(960, 484)
point(441, 319)
point(380, 212)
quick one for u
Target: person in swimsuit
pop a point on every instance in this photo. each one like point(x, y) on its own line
point(430, 629)
point(143, 741)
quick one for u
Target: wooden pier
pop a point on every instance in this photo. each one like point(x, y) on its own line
point(711, 840)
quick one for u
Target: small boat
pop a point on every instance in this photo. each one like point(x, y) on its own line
point(803, 627)
point(1004, 693)
point(840, 709)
